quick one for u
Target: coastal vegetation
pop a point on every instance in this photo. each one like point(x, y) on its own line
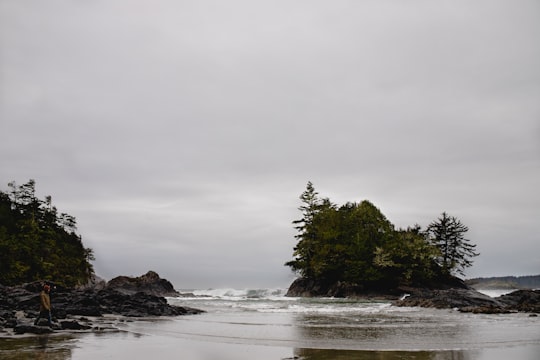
point(39, 243)
point(356, 244)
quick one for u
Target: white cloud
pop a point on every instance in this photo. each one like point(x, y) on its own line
point(184, 132)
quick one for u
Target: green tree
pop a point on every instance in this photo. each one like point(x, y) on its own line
point(356, 244)
point(363, 229)
point(338, 244)
point(409, 258)
point(307, 236)
point(447, 233)
point(38, 244)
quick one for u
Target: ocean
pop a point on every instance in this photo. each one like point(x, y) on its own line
point(263, 324)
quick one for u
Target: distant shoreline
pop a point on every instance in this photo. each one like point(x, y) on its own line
point(527, 282)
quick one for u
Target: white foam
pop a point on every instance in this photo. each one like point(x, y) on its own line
point(275, 301)
point(495, 293)
point(238, 294)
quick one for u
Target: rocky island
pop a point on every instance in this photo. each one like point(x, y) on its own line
point(354, 251)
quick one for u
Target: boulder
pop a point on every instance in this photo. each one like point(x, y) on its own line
point(73, 325)
point(76, 302)
point(139, 304)
point(448, 298)
point(303, 287)
point(474, 302)
point(149, 283)
point(522, 300)
point(32, 329)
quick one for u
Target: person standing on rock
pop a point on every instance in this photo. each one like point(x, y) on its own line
point(44, 305)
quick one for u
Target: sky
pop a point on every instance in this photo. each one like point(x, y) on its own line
point(180, 134)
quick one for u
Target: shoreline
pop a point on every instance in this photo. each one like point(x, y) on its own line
point(279, 328)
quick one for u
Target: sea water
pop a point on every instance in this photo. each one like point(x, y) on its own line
point(264, 324)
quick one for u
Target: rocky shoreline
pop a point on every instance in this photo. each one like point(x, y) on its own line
point(88, 308)
point(472, 301)
point(452, 294)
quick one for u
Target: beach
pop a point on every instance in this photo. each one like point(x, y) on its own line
point(263, 324)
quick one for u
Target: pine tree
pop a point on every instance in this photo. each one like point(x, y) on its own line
point(456, 252)
point(38, 244)
point(303, 251)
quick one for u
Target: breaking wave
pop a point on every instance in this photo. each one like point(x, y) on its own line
point(235, 294)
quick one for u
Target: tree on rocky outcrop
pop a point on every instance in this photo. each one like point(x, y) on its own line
point(355, 245)
point(38, 243)
point(456, 252)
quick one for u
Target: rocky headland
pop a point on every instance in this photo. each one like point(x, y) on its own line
point(453, 293)
point(88, 308)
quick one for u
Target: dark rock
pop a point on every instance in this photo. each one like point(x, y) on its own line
point(94, 283)
point(10, 323)
point(522, 300)
point(490, 309)
point(7, 314)
point(59, 313)
point(32, 329)
point(84, 311)
point(140, 304)
point(449, 293)
point(85, 303)
point(76, 302)
point(118, 298)
point(7, 319)
point(149, 283)
point(42, 322)
point(475, 302)
point(449, 298)
point(304, 287)
point(73, 325)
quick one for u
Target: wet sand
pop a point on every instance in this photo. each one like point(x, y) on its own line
point(128, 345)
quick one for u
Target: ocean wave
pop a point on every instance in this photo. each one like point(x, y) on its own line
point(275, 301)
point(237, 294)
point(495, 292)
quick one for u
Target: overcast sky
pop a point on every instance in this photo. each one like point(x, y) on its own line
point(180, 134)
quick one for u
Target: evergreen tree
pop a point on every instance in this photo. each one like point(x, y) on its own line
point(307, 231)
point(38, 244)
point(409, 258)
point(357, 244)
point(456, 253)
point(363, 229)
point(338, 244)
